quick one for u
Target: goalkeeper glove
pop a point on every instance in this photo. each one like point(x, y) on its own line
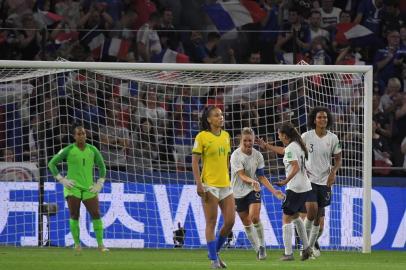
point(65, 182)
point(96, 188)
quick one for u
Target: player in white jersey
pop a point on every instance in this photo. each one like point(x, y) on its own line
point(247, 172)
point(297, 190)
point(322, 146)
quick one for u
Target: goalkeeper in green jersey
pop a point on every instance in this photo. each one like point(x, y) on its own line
point(78, 184)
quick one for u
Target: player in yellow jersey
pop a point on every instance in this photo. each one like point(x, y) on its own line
point(212, 146)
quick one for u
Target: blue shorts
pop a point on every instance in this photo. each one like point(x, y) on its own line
point(322, 195)
point(294, 202)
point(243, 204)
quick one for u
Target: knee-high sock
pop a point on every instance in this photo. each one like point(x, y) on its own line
point(260, 232)
point(74, 230)
point(308, 226)
point(252, 236)
point(314, 235)
point(98, 231)
point(211, 247)
point(287, 238)
point(301, 231)
point(220, 242)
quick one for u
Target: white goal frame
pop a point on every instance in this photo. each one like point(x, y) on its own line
point(368, 93)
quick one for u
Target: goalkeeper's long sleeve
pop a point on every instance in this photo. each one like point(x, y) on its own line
point(98, 158)
point(60, 156)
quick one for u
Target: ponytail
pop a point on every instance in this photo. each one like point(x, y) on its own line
point(290, 131)
point(204, 124)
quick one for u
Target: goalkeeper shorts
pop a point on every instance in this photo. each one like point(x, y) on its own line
point(80, 193)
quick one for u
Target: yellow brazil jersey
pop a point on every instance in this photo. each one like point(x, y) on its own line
point(215, 150)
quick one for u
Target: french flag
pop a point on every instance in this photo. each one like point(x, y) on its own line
point(117, 47)
point(96, 46)
point(94, 39)
point(230, 15)
point(360, 36)
point(49, 18)
point(65, 37)
point(170, 56)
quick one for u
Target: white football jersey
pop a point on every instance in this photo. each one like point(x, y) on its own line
point(299, 183)
point(249, 163)
point(330, 18)
point(321, 151)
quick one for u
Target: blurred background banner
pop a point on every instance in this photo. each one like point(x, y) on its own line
point(145, 215)
point(18, 171)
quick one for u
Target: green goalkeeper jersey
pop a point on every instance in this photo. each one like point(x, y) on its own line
point(80, 164)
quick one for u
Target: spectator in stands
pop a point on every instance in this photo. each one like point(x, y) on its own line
point(381, 152)
point(8, 155)
point(210, 47)
point(166, 31)
point(270, 27)
point(348, 5)
point(317, 54)
point(404, 79)
point(400, 116)
point(384, 121)
point(120, 109)
point(148, 43)
point(186, 111)
point(403, 149)
point(254, 57)
point(143, 8)
point(114, 8)
point(114, 142)
point(95, 20)
point(149, 107)
point(390, 16)
point(340, 40)
point(315, 29)
point(387, 100)
point(244, 114)
point(215, 97)
point(199, 52)
point(29, 140)
point(369, 14)
point(52, 129)
point(29, 38)
point(330, 15)
point(70, 11)
point(402, 32)
point(389, 60)
point(123, 27)
point(349, 56)
point(144, 145)
point(296, 36)
point(88, 110)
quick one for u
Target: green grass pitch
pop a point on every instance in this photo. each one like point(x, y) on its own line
point(63, 258)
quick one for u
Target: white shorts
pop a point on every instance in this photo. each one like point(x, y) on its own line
point(219, 192)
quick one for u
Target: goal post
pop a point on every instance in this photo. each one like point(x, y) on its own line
point(367, 170)
point(143, 117)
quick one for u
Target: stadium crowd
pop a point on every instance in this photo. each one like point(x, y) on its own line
point(286, 32)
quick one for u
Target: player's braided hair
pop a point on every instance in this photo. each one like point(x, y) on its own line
point(290, 131)
point(204, 124)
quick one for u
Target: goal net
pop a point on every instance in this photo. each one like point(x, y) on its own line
point(143, 118)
